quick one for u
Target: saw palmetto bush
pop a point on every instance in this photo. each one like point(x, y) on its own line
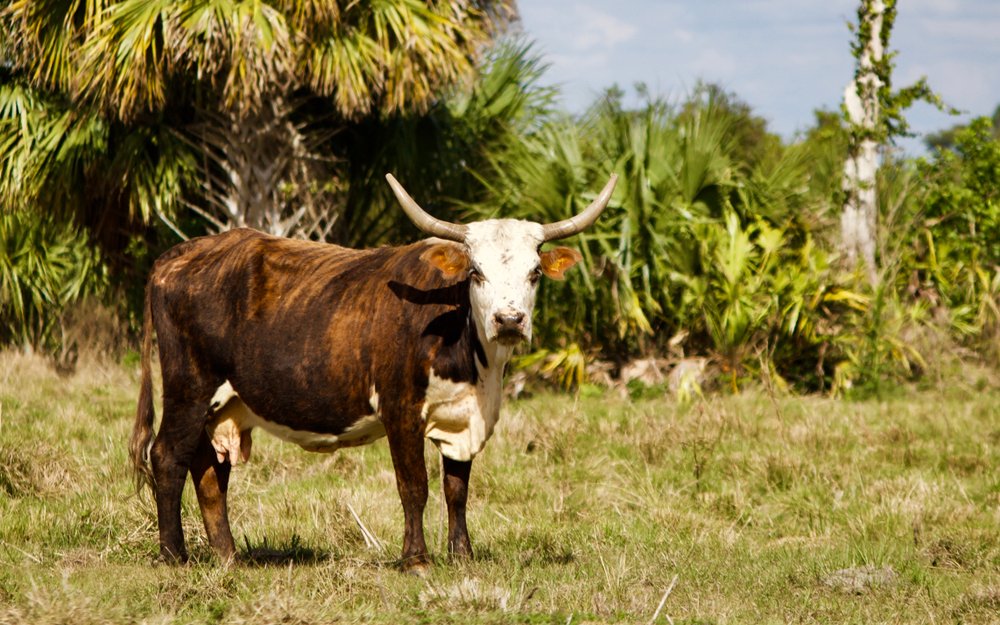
point(45, 267)
point(698, 242)
point(443, 155)
point(953, 250)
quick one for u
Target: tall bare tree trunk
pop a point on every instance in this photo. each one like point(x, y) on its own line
point(858, 221)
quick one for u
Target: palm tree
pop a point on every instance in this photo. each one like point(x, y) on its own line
point(119, 111)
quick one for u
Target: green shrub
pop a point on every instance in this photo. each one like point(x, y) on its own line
point(956, 249)
point(45, 266)
point(704, 238)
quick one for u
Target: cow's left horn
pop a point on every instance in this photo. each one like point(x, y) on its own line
point(424, 221)
point(575, 224)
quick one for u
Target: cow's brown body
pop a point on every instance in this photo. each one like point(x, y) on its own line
point(305, 333)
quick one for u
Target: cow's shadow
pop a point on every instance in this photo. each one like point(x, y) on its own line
point(291, 551)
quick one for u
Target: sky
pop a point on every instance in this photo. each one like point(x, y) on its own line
point(786, 58)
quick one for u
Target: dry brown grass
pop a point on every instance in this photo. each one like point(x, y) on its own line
point(582, 509)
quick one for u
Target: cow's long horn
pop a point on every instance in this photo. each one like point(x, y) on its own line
point(427, 223)
point(573, 225)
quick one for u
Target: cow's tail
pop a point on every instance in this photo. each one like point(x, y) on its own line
point(142, 431)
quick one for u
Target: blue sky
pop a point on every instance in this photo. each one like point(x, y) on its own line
point(784, 57)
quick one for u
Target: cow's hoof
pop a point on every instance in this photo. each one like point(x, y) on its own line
point(459, 552)
point(418, 567)
point(169, 559)
point(418, 570)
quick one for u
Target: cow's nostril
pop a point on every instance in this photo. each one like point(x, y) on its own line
point(509, 319)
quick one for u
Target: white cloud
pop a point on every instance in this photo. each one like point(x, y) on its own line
point(682, 35)
point(597, 29)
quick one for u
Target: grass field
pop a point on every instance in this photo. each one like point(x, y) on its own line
point(749, 509)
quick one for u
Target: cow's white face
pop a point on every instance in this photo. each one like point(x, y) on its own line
point(503, 277)
point(502, 261)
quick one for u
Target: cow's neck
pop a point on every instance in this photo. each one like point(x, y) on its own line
point(460, 415)
point(497, 356)
point(491, 375)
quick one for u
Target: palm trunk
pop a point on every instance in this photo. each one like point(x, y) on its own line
point(258, 172)
point(861, 99)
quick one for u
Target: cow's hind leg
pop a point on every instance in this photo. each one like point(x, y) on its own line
point(211, 483)
point(171, 456)
point(186, 394)
point(456, 492)
point(406, 445)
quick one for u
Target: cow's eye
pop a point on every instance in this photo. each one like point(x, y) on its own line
point(476, 275)
point(536, 275)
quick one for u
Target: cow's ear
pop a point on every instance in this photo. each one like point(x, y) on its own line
point(556, 261)
point(448, 258)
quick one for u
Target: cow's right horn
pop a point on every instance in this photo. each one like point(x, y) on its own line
point(424, 221)
point(576, 223)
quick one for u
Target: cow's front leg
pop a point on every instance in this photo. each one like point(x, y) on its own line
point(456, 492)
point(406, 444)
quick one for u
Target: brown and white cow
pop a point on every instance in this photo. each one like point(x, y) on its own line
point(329, 347)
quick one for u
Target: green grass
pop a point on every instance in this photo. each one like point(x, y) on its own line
point(581, 511)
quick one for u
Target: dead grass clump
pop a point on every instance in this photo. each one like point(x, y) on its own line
point(59, 605)
point(466, 594)
point(966, 464)
point(19, 369)
point(15, 474)
point(25, 473)
point(89, 331)
point(947, 553)
point(271, 610)
point(979, 605)
point(202, 585)
point(911, 495)
point(861, 579)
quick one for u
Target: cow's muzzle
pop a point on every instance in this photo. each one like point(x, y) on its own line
point(511, 327)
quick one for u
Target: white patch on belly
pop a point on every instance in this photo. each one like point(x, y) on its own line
point(458, 417)
point(231, 422)
point(228, 428)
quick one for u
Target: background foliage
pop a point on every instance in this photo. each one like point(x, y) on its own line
point(45, 267)
point(125, 126)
